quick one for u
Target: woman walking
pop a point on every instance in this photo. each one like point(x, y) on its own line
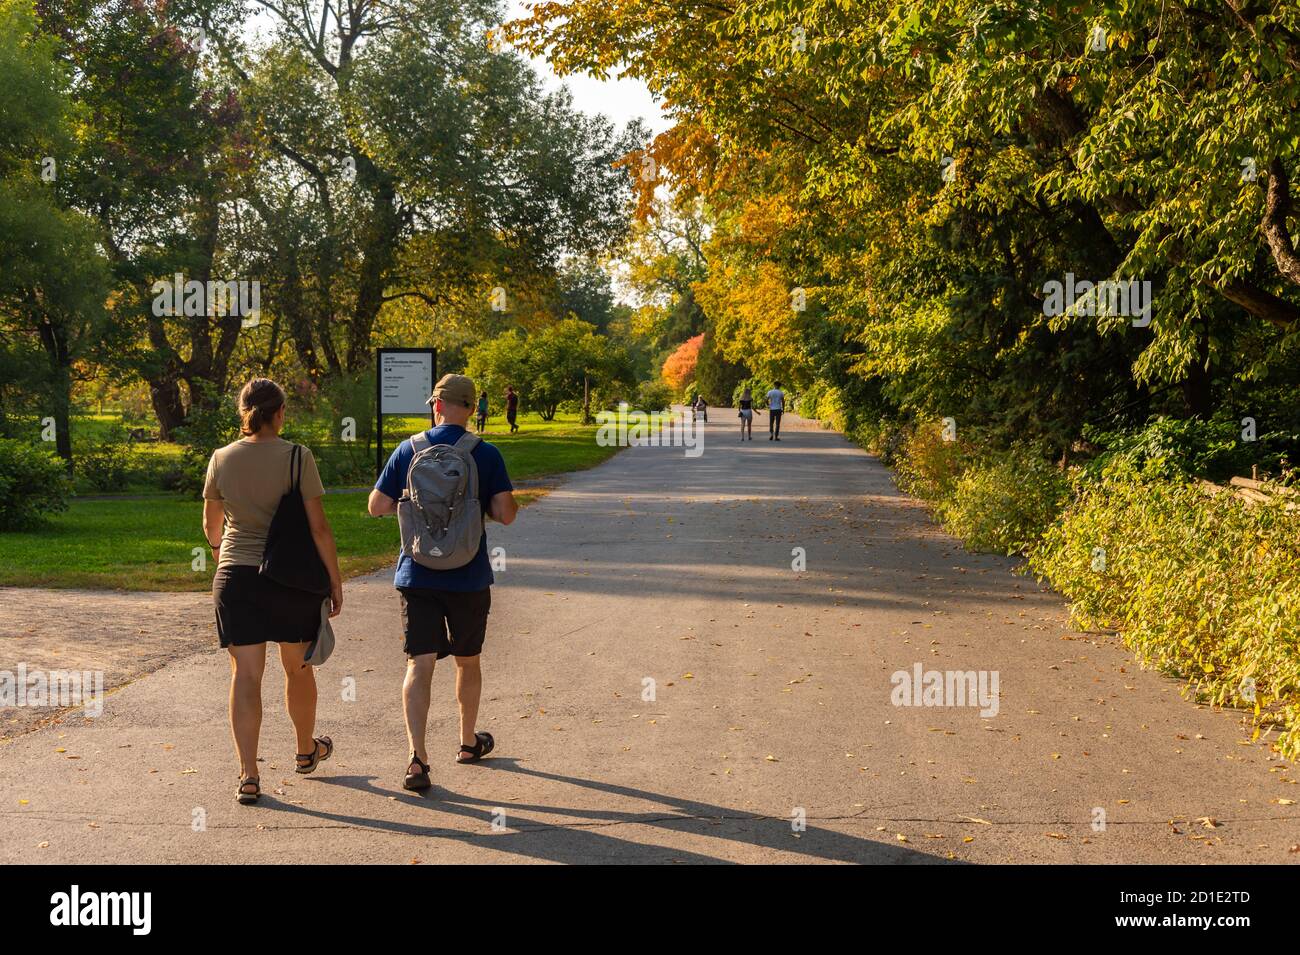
point(244, 484)
point(747, 414)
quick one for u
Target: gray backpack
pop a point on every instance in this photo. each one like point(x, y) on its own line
point(439, 516)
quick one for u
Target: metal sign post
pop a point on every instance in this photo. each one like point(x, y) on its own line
point(404, 380)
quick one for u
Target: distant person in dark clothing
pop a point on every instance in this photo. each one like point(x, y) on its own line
point(512, 408)
point(482, 411)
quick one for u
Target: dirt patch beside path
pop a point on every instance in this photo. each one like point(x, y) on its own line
point(122, 635)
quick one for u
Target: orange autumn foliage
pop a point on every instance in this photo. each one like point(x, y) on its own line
point(679, 367)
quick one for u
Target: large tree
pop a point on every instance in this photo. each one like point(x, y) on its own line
point(400, 157)
point(53, 278)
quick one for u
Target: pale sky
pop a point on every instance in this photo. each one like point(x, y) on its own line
point(621, 100)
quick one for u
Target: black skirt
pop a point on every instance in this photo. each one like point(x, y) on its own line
point(254, 609)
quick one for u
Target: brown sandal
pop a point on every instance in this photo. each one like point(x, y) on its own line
point(315, 757)
point(417, 782)
point(484, 744)
point(245, 798)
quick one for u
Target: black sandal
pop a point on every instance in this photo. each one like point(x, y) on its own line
point(315, 757)
point(480, 749)
point(420, 781)
point(247, 799)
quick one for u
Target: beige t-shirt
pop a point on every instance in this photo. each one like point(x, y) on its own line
point(249, 478)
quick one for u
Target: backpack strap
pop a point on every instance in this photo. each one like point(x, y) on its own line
point(420, 441)
point(468, 442)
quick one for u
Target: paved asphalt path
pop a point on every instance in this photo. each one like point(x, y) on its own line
point(772, 700)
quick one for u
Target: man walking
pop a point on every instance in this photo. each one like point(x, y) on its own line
point(445, 612)
point(512, 407)
point(775, 408)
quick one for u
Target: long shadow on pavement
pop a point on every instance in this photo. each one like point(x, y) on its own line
point(583, 843)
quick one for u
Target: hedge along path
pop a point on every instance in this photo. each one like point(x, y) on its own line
point(1200, 583)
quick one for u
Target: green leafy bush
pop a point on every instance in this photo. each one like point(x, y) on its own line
point(1188, 447)
point(1198, 586)
point(205, 430)
point(652, 396)
point(106, 463)
point(33, 485)
point(929, 465)
point(1006, 504)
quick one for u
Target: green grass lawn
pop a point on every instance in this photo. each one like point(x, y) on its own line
point(146, 543)
point(538, 449)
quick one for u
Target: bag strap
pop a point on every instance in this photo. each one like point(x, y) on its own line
point(295, 459)
point(467, 442)
point(420, 441)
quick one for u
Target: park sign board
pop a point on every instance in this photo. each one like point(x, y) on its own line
point(404, 380)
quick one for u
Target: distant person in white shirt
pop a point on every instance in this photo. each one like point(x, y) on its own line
point(775, 407)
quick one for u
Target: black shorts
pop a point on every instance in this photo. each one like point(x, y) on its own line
point(445, 622)
point(255, 609)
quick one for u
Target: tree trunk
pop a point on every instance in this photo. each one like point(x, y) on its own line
point(1197, 386)
point(168, 407)
point(379, 253)
point(54, 341)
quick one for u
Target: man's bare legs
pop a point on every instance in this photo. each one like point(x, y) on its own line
point(469, 687)
point(417, 694)
point(415, 701)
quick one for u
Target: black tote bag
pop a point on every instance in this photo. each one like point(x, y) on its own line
point(290, 557)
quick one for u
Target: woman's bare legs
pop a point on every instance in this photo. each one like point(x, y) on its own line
point(300, 693)
point(246, 667)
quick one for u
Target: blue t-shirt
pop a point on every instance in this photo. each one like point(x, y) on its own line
point(492, 480)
